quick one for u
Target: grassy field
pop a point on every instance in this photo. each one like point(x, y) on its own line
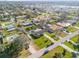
point(71, 29)
point(42, 42)
point(68, 55)
point(52, 53)
point(75, 38)
point(76, 25)
point(52, 36)
point(70, 45)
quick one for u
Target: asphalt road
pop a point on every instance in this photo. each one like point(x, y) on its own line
point(40, 52)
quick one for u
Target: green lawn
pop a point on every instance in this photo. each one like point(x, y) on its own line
point(42, 42)
point(6, 33)
point(52, 36)
point(76, 25)
point(30, 27)
point(68, 55)
point(75, 38)
point(71, 29)
point(61, 33)
point(52, 22)
point(70, 45)
point(52, 53)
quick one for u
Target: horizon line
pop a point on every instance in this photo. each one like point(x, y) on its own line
point(41, 0)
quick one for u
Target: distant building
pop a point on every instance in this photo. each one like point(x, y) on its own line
point(37, 32)
point(21, 16)
point(10, 27)
point(63, 24)
point(36, 21)
point(27, 24)
point(55, 27)
point(12, 19)
point(72, 21)
point(46, 27)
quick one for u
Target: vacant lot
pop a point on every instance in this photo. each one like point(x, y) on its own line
point(75, 39)
point(70, 45)
point(57, 53)
point(76, 25)
point(61, 34)
point(71, 29)
point(52, 36)
point(42, 42)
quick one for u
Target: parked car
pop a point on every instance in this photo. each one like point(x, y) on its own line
point(46, 52)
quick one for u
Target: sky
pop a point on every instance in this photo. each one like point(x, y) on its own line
point(39, 0)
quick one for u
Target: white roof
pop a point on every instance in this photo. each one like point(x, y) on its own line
point(37, 30)
point(63, 24)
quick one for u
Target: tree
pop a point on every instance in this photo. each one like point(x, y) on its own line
point(12, 50)
point(64, 52)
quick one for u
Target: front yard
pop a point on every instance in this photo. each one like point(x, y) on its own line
point(42, 42)
point(71, 29)
point(75, 39)
point(7, 33)
point(61, 33)
point(72, 46)
point(76, 25)
point(57, 52)
point(52, 36)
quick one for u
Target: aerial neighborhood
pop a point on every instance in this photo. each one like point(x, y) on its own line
point(38, 30)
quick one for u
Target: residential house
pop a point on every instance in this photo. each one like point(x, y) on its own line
point(37, 32)
point(55, 27)
point(36, 21)
point(46, 27)
point(27, 24)
point(71, 21)
point(10, 27)
point(63, 24)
